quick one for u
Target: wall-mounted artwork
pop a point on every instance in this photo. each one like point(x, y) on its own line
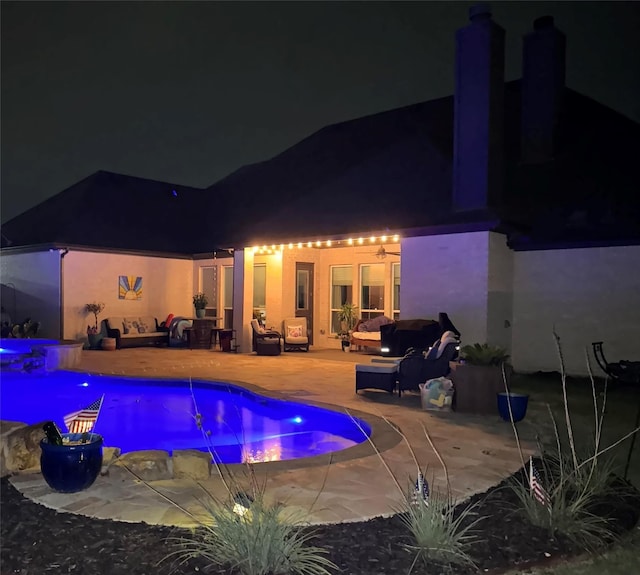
point(130, 287)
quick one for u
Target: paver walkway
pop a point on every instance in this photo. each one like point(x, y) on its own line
point(479, 451)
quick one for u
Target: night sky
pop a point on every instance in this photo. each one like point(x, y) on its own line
point(187, 92)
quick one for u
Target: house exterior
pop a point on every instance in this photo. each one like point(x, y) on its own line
point(512, 207)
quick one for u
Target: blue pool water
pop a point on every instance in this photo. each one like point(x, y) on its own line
point(13, 346)
point(160, 414)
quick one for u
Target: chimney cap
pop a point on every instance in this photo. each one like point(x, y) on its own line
point(479, 12)
point(542, 23)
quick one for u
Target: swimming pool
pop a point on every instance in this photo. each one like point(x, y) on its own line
point(139, 414)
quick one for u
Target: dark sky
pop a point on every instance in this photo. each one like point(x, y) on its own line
point(187, 92)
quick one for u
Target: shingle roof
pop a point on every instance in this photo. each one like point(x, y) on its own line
point(391, 170)
point(114, 211)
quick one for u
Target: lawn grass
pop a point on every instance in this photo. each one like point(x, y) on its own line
point(619, 419)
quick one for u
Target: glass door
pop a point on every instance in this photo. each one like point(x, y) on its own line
point(304, 294)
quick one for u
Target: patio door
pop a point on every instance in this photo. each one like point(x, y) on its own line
point(304, 294)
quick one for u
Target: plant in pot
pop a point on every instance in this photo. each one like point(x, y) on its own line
point(200, 302)
point(93, 332)
point(26, 329)
point(478, 376)
point(70, 462)
point(348, 317)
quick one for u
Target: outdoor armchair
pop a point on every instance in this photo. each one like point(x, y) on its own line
point(265, 341)
point(295, 333)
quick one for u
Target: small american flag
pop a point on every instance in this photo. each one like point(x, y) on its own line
point(421, 491)
point(83, 420)
point(535, 485)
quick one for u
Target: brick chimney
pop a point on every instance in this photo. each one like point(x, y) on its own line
point(543, 81)
point(478, 149)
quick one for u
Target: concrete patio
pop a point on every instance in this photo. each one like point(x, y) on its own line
point(353, 485)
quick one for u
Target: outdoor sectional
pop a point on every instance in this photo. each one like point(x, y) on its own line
point(136, 331)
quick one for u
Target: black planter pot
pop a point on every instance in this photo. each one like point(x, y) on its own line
point(70, 468)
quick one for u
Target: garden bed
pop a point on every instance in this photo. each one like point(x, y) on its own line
point(37, 540)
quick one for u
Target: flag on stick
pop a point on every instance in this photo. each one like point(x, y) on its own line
point(83, 420)
point(535, 485)
point(421, 491)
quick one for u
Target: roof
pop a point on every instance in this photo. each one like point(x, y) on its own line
point(393, 171)
point(387, 171)
point(114, 211)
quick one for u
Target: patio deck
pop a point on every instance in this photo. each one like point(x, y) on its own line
point(479, 451)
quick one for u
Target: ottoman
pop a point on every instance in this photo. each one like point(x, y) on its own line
point(376, 376)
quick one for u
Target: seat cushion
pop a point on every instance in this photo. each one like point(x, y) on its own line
point(376, 368)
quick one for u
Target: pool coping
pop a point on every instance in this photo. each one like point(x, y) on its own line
point(359, 486)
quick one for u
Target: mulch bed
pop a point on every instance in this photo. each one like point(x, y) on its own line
point(36, 540)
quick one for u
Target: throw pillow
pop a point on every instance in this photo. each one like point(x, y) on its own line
point(294, 331)
point(374, 324)
point(130, 326)
point(143, 327)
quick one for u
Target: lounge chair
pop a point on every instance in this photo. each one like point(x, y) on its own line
point(622, 372)
point(419, 366)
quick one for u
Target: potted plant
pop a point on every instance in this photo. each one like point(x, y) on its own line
point(478, 376)
point(347, 316)
point(200, 302)
point(93, 332)
point(70, 462)
point(26, 329)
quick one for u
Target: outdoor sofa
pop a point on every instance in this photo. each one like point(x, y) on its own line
point(136, 331)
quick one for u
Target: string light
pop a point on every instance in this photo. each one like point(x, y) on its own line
point(319, 244)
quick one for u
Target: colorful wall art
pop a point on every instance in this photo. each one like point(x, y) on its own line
point(130, 287)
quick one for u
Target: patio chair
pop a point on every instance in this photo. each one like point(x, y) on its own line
point(295, 333)
point(419, 366)
point(622, 371)
point(265, 341)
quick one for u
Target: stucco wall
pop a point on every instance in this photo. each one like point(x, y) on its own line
point(500, 292)
point(587, 295)
point(88, 277)
point(32, 289)
point(447, 273)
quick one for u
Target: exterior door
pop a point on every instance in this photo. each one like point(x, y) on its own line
point(304, 294)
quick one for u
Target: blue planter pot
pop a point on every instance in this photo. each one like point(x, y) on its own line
point(519, 403)
point(71, 468)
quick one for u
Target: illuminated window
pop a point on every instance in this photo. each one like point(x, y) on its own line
point(371, 290)
point(396, 290)
point(341, 292)
point(259, 291)
point(227, 296)
point(208, 286)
